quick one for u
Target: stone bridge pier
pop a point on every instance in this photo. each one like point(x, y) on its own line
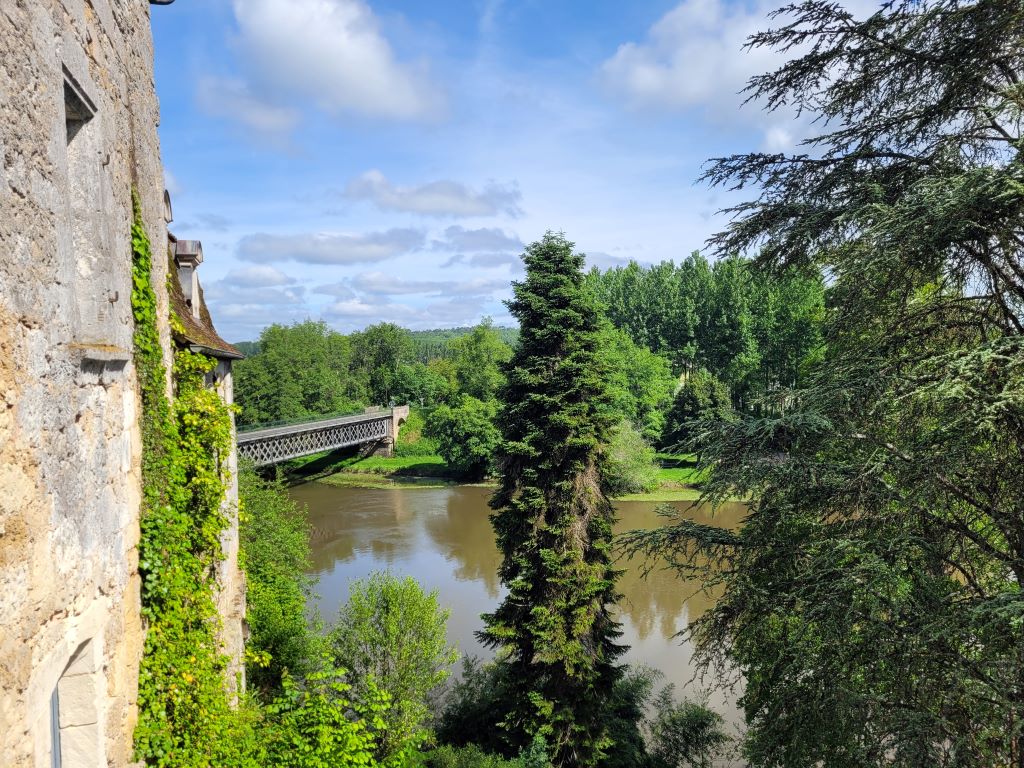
point(386, 447)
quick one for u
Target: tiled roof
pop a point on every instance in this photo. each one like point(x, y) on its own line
point(199, 332)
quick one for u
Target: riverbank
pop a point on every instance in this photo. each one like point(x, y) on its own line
point(678, 477)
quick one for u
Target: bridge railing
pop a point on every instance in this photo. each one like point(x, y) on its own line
point(242, 429)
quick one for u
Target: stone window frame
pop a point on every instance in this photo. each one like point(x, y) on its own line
point(100, 335)
point(76, 732)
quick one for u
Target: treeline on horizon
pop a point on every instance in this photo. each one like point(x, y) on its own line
point(742, 334)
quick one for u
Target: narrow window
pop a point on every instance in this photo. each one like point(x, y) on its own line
point(99, 283)
point(78, 107)
point(76, 733)
point(55, 729)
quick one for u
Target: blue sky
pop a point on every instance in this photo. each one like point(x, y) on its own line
point(370, 160)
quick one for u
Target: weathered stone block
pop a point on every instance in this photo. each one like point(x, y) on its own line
point(82, 746)
point(78, 701)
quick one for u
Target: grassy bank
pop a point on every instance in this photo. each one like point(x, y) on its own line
point(677, 476)
point(417, 465)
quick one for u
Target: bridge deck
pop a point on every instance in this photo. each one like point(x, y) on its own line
point(253, 435)
point(289, 441)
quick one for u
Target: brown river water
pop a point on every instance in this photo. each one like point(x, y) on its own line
point(442, 537)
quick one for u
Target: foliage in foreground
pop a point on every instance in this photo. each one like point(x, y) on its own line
point(392, 636)
point(553, 518)
point(274, 537)
point(314, 724)
point(873, 596)
point(647, 730)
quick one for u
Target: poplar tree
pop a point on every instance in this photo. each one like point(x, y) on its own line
point(553, 519)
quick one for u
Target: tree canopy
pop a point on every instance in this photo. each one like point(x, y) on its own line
point(872, 598)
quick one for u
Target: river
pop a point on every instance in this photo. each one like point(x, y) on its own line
point(442, 537)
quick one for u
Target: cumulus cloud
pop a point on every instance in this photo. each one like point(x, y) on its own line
point(329, 248)
point(484, 260)
point(338, 290)
point(240, 321)
point(258, 276)
point(436, 198)
point(333, 53)
point(233, 98)
point(382, 283)
point(491, 239)
point(693, 57)
point(225, 292)
point(357, 312)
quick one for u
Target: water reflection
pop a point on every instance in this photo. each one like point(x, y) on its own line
point(443, 538)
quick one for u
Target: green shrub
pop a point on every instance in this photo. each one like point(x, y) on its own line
point(466, 436)
point(411, 440)
point(701, 397)
point(684, 734)
point(630, 465)
point(275, 554)
point(470, 756)
point(392, 636)
point(313, 724)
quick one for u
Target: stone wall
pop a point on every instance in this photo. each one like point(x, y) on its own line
point(78, 118)
point(231, 598)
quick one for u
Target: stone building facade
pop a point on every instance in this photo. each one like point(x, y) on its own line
point(78, 131)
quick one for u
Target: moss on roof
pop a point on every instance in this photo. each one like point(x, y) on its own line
point(198, 332)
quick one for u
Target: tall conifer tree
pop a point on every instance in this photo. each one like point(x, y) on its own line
point(552, 517)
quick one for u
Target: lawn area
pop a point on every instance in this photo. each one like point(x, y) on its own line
point(676, 476)
point(371, 480)
point(678, 470)
point(411, 466)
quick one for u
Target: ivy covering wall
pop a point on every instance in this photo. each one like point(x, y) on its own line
point(185, 713)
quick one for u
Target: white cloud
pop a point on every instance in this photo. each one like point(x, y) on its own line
point(485, 260)
point(361, 308)
point(694, 57)
point(258, 276)
point(232, 98)
point(382, 283)
point(360, 312)
point(329, 248)
point(332, 52)
point(458, 238)
point(337, 290)
point(225, 292)
point(436, 198)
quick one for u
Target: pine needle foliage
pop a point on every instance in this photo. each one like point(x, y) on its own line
point(872, 599)
point(553, 519)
